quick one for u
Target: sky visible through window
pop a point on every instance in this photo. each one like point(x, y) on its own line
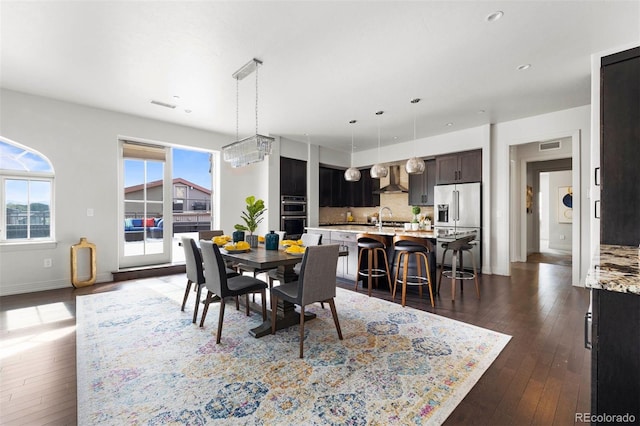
point(187, 164)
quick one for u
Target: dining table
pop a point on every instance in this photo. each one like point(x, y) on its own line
point(262, 259)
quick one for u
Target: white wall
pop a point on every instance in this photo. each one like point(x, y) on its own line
point(573, 123)
point(559, 233)
point(82, 144)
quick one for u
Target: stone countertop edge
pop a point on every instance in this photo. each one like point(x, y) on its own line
point(615, 268)
point(386, 230)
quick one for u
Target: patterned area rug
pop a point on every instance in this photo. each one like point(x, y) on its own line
point(141, 361)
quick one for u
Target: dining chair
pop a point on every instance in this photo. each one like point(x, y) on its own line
point(207, 235)
point(195, 272)
point(219, 284)
point(316, 283)
point(308, 239)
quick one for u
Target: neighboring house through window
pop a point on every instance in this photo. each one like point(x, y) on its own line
point(26, 194)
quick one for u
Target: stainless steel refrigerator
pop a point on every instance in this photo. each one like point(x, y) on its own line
point(458, 211)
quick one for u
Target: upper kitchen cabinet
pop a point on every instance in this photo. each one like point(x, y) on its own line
point(293, 177)
point(337, 192)
point(620, 148)
point(421, 186)
point(461, 167)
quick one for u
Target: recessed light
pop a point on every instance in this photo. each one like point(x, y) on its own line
point(523, 67)
point(188, 111)
point(495, 16)
point(481, 111)
point(449, 124)
point(353, 121)
point(163, 104)
point(176, 97)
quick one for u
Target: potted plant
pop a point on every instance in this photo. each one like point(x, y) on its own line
point(414, 222)
point(252, 217)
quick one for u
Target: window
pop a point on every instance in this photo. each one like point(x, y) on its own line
point(26, 185)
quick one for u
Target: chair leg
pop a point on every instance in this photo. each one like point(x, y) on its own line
point(428, 273)
point(274, 309)
point(369, 266)
point(220, 319)
point(186, 295)
point(246, 302)
point(475, 275)
point(237, 304)
point(301, 330)
point(419, 272)
point(386, 265)
point(405, 272)
point(395, 275)
point(441, 271)
point(358, 269)
point(206, 307)
point(195, 309)
point(263, 294)
point(332, 304)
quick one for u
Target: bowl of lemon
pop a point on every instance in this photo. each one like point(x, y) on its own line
point(295, 250)
point(239, 247)
point(221, 240)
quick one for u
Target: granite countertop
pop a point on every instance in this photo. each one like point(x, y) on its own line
point(386, 230)
point(615, 268)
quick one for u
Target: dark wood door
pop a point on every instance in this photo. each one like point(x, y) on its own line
point(446, 169)
point(620, 148)
point(470, 166)
point(293, 177)
point(325, 186)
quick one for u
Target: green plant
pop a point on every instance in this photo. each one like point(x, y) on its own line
point(252, 216)
point(416, 211)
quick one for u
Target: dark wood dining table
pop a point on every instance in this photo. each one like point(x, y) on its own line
point(283, 262)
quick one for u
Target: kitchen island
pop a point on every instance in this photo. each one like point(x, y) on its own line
point(346, 236)
point(615, 332)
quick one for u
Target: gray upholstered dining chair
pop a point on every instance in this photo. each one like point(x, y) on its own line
point(195, 272)
point(316, 283)
point(219, 284)
point(308, 239)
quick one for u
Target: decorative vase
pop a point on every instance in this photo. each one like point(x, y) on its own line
point(237, 236)
point(252, 240)
point(271, 241)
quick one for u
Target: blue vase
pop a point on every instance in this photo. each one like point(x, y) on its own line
point(237, 236)
point(271, 241)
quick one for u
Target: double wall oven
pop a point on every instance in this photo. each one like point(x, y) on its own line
point(293, 215)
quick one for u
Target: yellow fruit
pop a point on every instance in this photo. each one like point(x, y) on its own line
point(299, 242)
point(242, 245)
point(260, 238)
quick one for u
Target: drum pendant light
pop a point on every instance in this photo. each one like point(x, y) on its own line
point(414, 166)
point(378, 170)
point(352, 174)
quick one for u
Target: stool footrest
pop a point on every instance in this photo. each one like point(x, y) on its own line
point(415, 280)
point(460, 275)
point(374, 272)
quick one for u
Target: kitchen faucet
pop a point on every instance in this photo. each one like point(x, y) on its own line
point(380, 216)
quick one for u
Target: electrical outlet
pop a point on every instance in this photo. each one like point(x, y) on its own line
point(562, 237)
point(47, 263)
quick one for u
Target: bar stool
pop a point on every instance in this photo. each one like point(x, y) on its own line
point(372, 244)
point(458, 247)
point(405, 246)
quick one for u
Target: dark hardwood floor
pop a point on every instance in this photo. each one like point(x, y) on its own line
point(541, 377)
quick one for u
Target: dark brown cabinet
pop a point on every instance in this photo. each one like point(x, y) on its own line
point(293, 177)
point(337, 192)
point(421, 186)
point(615, 357)
point(620, 148)
point(460, 167)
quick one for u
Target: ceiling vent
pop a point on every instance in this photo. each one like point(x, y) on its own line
point(164, 104)
point(546, 146)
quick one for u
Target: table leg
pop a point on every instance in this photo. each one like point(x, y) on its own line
point(454, 261)
point(287, 314)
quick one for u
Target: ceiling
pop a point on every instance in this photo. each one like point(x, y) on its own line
point(324, 63)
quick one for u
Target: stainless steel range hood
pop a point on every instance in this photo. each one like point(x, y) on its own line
point(394, 186)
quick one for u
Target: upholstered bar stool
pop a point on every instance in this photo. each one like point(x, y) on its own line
point(372, 244)
point(405, 246)
point(458, 247)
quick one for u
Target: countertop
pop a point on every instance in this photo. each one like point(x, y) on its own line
point(615, 268)
point(386, 230)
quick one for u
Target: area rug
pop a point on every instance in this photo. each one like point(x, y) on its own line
point(141, 361)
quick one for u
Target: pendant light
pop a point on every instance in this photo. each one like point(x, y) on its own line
point(414, 166)
point(378, 170)
point(352, 174)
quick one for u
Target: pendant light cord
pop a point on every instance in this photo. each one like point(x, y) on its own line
point(237, 107)
point(257, 66)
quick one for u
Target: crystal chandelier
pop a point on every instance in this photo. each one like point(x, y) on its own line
point(254, 148)
point(414, 166)
point(352, 174)
point(378, 170)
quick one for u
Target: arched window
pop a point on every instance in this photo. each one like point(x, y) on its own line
point(26, 194)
